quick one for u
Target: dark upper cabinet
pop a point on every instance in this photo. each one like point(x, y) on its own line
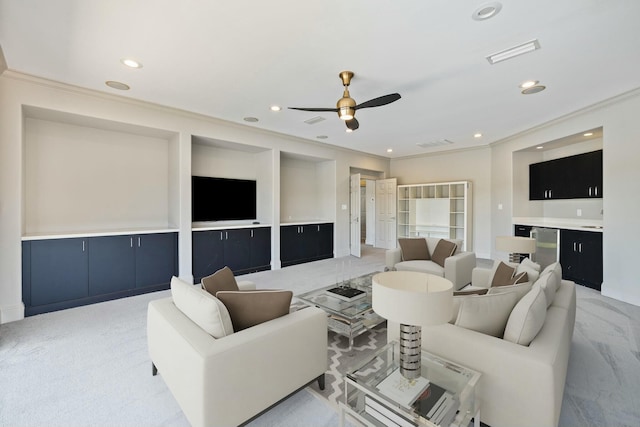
point(305, 243)
point(581, 257)
point(572, 177)
point(59, 271)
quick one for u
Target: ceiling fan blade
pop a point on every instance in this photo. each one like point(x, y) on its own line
point(377, 102)
point(352, 124)
point(333, 110)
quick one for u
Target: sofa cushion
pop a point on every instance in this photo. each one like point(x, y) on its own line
point(556, 270)
point(249, 308)
point(414, 249)
point(444, 249)
point(547, 282)
point(202, 308)
point(521, 288)
point(221, 280)
point(527, 317)
point(502, 274)
point(421, 267)
point(486, 313)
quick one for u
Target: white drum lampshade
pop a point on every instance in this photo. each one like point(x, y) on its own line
point(515, 245)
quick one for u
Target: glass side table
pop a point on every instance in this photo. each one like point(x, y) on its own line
point(369, 403)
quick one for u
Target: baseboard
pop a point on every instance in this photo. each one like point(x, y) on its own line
point(11, 313)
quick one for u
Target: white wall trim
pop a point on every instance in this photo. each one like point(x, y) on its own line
point(11, 313)
point(619, 296)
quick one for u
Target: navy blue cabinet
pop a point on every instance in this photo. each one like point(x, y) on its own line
point(305, 243)
point(243, 250)
point(581, 257)
point(573, 177)
point(64, 273)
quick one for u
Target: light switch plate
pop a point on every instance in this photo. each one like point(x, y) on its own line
point(344, 207)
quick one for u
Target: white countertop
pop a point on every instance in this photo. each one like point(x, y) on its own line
point(306, 222)
point(564, 223)
point(96, 233)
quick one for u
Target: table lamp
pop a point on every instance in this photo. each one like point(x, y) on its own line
point(414, 300)
point(515, 245)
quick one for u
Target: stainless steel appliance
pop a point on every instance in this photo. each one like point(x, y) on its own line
point(547, 245)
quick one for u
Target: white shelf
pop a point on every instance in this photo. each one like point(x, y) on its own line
point(436, 210)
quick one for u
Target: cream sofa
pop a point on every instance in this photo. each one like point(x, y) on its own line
point(521, 385)
point(229, 380)
point(457, 268)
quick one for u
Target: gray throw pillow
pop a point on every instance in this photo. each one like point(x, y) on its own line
point(221, 280)
point(250, 308)
point(414, 249)
point(444, 249)
point(503, 275)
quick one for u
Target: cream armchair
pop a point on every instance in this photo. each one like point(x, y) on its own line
point(457, 268)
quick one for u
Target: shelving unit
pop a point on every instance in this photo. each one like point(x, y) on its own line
point(436, 210)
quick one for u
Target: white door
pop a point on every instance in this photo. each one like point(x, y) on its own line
point(370, 233)
point(354, 193)
point(386, 213)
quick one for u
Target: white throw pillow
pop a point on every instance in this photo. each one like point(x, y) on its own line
point(556, 269)
point(486, 313)
point(527, 317)
point(521, 288)
point(526, 267)
point(526, 262)
point(547, 282)
point(202, 308)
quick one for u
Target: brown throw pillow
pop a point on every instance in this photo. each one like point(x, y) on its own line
point(250, 308)
point(519, 278)
point(444, 249)
point(414, 249)
point(503, 275)
point(473, 292)
point(221, 280)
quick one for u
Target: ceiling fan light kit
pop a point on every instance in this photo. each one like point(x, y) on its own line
point(346, 106)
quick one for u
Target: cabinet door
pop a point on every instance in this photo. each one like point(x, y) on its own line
point(310, 242)
point(325, 246)
point(111, 264)
point(548, 180)
point(207, 253)
point(537, 186)
point(156, 258)
point(237, 249)
point(522, 230)
point(290, 242)
point(569, 255)
point(59, 270)
point(260, 247)
point(591, 257)
point(591, 172)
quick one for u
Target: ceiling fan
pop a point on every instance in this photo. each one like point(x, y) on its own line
point(346, 106)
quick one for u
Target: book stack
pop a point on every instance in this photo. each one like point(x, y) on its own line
point(436, 405)
point(346, 294)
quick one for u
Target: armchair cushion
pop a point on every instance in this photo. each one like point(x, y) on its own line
point(414, 249)
point(221, 280)
point(444, 249)
point(202, 308)
point(250, 308)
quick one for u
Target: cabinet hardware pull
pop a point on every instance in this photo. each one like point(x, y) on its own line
point(138, 241)
point(221, 235)
point(226, 235)
point(131, 241)
point(251, 233)
point(83, 245)
point(580, 247)
point(596, 190)
point(589, 191)
point(574, 246)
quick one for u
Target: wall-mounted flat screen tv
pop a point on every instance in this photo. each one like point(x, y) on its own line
point(222, 199)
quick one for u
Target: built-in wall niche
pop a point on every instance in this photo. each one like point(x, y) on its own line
point(307, 188)
point(226, 159)
point(581, 142)
point(84, 174)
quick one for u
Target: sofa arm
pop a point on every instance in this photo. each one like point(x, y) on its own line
point(246, 285)
point(227, 381)
point(392, 257)
point(458, 268)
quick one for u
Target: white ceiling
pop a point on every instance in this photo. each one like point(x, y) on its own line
point(234, 59)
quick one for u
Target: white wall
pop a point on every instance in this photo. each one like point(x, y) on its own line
point(19, 91)
point(469, 165)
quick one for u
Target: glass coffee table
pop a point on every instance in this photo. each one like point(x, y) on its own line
point(349, 318)
point(444, 395)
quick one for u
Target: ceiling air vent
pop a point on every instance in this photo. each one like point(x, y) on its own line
point(514, 51)
point(314, 120)
point(434, 143)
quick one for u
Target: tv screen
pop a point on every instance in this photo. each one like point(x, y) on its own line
point(222, 199)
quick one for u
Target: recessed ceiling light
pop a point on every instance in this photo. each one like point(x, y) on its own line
point(250, 119)
point(477, 135)
point(514, 51)
point(528, 84)
point(131, 63)
point(486, 11)
point(389, 150)
point(539, 147)
point(322, 137)
point(533, 89)
point(587, 134)
point(275, 108)
point(117, 85)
